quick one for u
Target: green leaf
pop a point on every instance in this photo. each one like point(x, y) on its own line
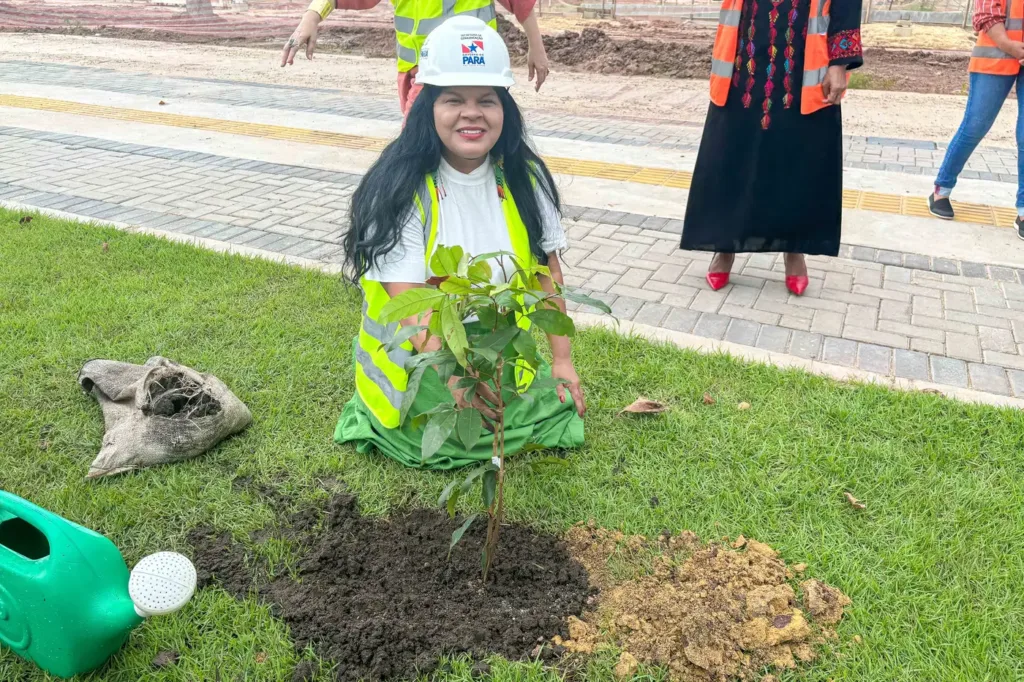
point(435, 326)
point(490, 485)
point(499, 340)
point(545, 462)
point(545, 383)
point(446, 369)
point(487, 354)
point(404, 334)
point(437, 431)
point(456, 285)
point(411, 389)
point(477, 473)
point(466, 382)
point(463, 269)
point(431, 358)
point(454, 332)
point(493, 255)
point(577, 297)
point(450, 497)
point(507, 299)
point(445, 261)
point(553, 322)
point(488, 317)
point(469, 427)
point(481, 272)
point(457, 535)
point(409, 303)
point(526, 347)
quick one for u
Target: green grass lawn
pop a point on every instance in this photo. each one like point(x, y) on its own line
point(934, 565)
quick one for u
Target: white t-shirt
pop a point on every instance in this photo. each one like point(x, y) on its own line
point(470, 216)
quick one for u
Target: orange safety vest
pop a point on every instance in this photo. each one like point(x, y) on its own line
point(723, 56)
point(987, 58)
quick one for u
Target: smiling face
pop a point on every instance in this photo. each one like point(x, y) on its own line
point(468, 121)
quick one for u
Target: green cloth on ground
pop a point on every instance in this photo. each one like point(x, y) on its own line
point(544, 421)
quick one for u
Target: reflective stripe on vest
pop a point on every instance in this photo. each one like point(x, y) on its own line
point(816, 60)
point(381, 376)
point(989, 59)
point(723, 54)
point(415, 19)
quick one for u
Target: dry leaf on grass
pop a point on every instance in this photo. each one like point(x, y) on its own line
point(854, 502)
point(644, 406)
point(708, 400)
point(106, 247)
point(743, 406)
point(25, 220)
point(165, 659)
point(261, 657)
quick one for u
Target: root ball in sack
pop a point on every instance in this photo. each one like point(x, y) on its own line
point(158, 413)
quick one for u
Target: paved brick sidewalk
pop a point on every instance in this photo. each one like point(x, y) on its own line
point(913, 157)
point(894, 314)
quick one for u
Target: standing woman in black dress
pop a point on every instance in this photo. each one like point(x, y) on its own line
point(769, 173)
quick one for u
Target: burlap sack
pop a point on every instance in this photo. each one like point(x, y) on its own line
point(157, 413)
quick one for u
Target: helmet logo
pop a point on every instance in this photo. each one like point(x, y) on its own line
point(472, 49)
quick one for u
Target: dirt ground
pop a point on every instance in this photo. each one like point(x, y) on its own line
point(624, 48)
point(921, 38)
point(643, 98)
point(705, 611)
point(384, 601)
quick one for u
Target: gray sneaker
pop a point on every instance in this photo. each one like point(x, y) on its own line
point(1019, 223)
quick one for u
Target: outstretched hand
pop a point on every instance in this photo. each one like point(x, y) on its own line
point(305, 35)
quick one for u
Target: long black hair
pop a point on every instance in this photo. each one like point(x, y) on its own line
point(381, 203)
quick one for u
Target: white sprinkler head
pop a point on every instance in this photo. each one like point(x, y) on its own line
point(162, 583)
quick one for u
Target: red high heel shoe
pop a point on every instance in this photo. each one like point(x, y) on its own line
point(717, 280)
point(797, 284)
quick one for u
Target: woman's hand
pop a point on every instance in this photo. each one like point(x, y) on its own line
point(483, 394)
point(304, 35)
point(536, 56)
point(563, 370)
point(537, 61)
point(835, 84)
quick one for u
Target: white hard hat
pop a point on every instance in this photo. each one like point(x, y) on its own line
point(464, 51)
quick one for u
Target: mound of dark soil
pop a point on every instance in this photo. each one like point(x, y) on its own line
point(594, 50)
point(383, 600)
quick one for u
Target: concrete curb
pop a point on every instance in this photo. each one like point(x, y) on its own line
point(588, 320)
point(210, 244)
point(749, 354)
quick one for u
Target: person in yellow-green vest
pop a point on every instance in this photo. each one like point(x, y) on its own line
point(461, 173)
point(414, 20)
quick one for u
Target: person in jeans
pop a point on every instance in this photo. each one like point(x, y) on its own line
point(995, 68)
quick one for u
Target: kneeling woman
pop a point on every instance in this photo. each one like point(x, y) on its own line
point(460, 174)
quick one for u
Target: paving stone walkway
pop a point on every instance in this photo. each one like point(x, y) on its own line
point(895, 314)
point(914, 157)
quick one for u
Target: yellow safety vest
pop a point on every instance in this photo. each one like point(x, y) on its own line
point(381, 377)
point(415, 19)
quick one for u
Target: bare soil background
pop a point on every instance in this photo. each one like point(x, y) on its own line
point(650, 99)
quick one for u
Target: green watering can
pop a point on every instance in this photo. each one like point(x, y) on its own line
point(67, 601)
